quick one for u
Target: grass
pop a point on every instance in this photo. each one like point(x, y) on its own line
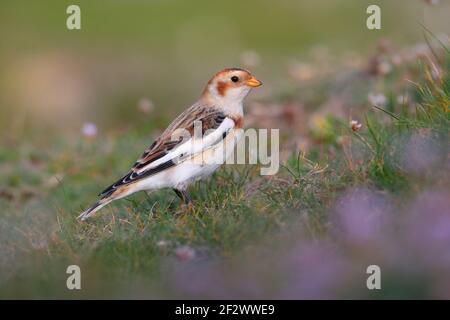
point(242, 223)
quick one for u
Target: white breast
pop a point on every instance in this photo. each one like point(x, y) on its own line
point(202, 165)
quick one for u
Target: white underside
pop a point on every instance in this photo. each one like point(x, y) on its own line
point(190, 170)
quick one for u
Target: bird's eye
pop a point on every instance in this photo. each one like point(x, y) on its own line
point(234, 79)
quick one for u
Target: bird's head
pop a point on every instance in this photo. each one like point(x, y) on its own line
point(230, 86)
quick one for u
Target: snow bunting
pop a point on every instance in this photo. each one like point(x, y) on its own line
point(172, 161)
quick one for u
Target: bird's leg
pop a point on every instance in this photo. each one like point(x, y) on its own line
point(178, 193)
point(183, 195)
point(187, 198)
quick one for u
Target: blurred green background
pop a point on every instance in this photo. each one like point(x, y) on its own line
point(165, 51)
point(77, 107)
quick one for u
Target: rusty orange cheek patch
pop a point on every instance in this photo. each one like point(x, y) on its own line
point(221, 88)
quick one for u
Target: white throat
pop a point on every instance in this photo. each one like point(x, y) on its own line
point(232, 101)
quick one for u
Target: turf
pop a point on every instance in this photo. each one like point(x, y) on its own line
point(342, 200)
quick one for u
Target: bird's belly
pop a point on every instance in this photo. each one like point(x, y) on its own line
point(180, 176)
point(195, 168)
point(204, 164)
point(187, 173)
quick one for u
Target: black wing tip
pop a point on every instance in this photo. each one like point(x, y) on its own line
point(109, 190)
point(132, 176)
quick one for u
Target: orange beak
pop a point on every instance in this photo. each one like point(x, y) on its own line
point(253, 82)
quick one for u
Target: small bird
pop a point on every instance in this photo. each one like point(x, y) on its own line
point(176, 158)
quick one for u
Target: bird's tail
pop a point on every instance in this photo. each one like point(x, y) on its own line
point(94, 208)
point(116, 194)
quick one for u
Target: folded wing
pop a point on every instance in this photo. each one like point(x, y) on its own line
point(168, 149)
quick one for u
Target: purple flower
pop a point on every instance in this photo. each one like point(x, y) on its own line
point(418, 153)
point(362, 215)
point(312, 271)
point(428, 227)
point(185, 253)
point(89, 130)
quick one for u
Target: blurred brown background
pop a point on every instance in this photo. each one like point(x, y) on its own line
point(157, 55)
